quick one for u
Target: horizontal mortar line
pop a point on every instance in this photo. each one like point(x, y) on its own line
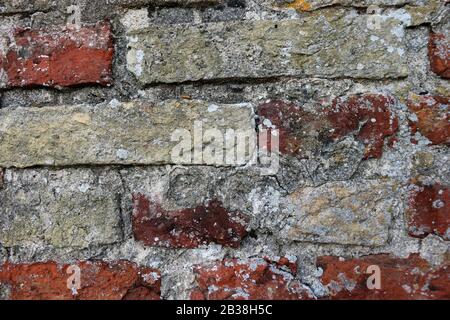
point(216, 81)
point(380, 248)
point(265, 80)
point(24, 14)
point(120, 166)
point(362, 7)
point(58, 89)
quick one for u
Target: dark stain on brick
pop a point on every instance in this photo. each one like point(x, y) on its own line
point(186, 228)
point(299, 131)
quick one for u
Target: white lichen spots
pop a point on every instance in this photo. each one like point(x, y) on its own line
point(139, 59)
point(404, 20)
point(84, 187)
point(334, 287)
point(135, 60)
point(434, 249)
point(213, 107)
point(122, 154)
point(135, 20)
point(402, 15)
point(438, 204)
point(49, 162)
point(3, 78)
point(151, 277)
point(268, 124)
point(212, 289)
point(348, 284)
point(114, 103)
point(407, 288)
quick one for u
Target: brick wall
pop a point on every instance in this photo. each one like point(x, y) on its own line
point(224, 149)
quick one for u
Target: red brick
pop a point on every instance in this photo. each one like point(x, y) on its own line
point(284, 262)
point(186, 228)
point(99, 281)
point(439, 54)
point(255, 279)
point(293, 123)
point(433, 120)
point(60, 57)
point(429, 210)
point(401, 279)
point(368, 116)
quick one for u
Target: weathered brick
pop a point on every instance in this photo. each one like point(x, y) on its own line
point(254, 279)
point(433, 120)
point(121, 133)
point(429, 210)
point(356, 213)
point(439, 54)
point(60, 57)
point(301, 132)
point(256, 49)
point(99, 281)
point(369, 116)
point(186, 228)
point(401, 279)
point(63, 208)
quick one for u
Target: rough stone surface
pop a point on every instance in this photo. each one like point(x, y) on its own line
point(17, 6)
point(120, 280)
point(356, 89)
point(61, 209)
point(338, 212)
point(401, 279)
point(60, 57)
point(119, 133)
point(267, 49)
